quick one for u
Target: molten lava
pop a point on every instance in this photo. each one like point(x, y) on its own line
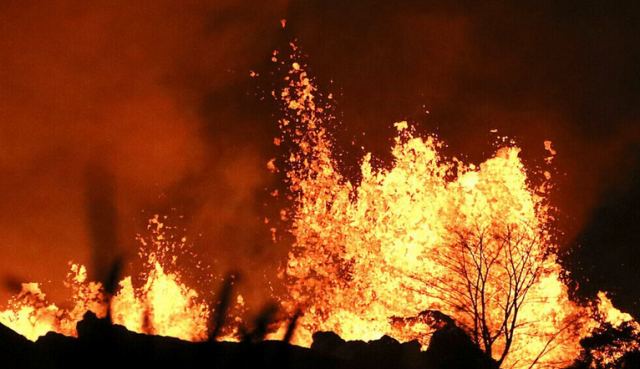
point(163, 305)
point(30, 314)
point(378, 257)
point(430, 233)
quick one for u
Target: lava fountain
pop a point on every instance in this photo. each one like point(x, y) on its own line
point(471, 241)
point(377, 257)
point(163, 305)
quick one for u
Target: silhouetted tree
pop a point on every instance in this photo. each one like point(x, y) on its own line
point(486, 276)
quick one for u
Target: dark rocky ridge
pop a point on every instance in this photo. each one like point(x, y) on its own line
point(102, 345)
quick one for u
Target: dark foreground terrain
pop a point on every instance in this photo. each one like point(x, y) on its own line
point(102, 345)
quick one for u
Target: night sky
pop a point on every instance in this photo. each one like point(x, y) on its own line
point(158, 97)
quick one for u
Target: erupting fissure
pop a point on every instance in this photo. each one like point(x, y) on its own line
point(163, 305)
point(474, 242)
point(428, 234)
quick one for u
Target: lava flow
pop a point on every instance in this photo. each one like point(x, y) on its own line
point(395, 254)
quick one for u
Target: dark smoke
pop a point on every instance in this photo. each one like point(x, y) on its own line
point(114, 111)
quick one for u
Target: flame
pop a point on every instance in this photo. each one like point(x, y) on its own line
point(370, 259)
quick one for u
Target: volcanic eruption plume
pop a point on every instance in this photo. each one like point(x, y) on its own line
point(377, 256)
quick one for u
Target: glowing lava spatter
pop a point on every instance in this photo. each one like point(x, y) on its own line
point(163, 305)
point(30, 314)
point(473, 242)
point(378, 258)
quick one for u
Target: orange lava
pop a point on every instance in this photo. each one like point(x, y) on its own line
point(430, 233)
point(163, 305)
point(473, 241)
